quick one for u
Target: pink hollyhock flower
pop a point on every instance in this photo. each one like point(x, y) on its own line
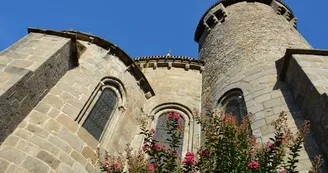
point(252, 139)
point(156, 146)
point(144, 148)
point(153, 130)
point(179, 125)
point(253, 164)
point(205, 153)
point(282, 171)
point(195, 162)
point(175, 152)
point(189, 157)
point(152, 167)
point(193, 170)
point(283, 138)
point(106, 164)
point(269, 145)
point(170, 115)
point(116, 165)
point(176, 115)
point(229, 119)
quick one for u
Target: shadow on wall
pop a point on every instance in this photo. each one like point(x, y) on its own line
point(297, 115)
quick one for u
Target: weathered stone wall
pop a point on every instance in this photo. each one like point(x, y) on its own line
point(50, 140)
point(176, 86)
point(28, 70)
point(240, 52)
point(307, 76)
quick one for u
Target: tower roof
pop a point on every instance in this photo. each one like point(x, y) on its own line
point(226, 3)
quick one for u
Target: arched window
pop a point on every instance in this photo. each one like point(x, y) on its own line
point(190, 130)
point(232, 102)
point(161, 131)
point(103, 108)
point(101, 113)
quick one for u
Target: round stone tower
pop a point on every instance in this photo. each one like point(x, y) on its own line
point(241, 42)
point(243, 37)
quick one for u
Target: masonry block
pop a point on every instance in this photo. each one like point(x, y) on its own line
point(60, 144)
point(35, 165)
point(73, 140)
point(65, 169)
point(28, 147)
point(48, 158)
point(3, 165)
point(78, 157)
point(87, 137)
point(68, 122)
point(44, 144)
point(12, 155)
point(37, 130)
point(65, 158)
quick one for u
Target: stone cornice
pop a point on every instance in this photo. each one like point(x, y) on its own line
point(112, 49)
point(170, 61)
point(288, 55)
point(201, 27)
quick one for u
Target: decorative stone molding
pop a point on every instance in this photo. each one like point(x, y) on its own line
point(284, 11)
point(169, 61)
point(155, 65)
point(215, 16)
point(112, 49)
point(220, 6)
point(187, 67)
point(121, 108)
point(169, 65)
point(151, 117)
point(148, 95)
point(107, 82)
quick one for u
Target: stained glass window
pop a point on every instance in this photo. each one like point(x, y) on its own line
point(161, 132)
point(101, 113)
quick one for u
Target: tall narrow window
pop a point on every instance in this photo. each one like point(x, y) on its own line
point(101, 113)
point(233, 103)
point(161, 132)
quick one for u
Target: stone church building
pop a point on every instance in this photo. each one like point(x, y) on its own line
point(63, 93)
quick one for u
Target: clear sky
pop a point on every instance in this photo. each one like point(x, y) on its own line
point(139, 27)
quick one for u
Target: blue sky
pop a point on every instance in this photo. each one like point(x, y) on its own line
point(140, 27)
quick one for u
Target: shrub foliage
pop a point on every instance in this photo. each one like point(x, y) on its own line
point(228, 147)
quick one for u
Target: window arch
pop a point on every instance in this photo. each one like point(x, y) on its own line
point(161, 131)
point(232, 102)
point(101, 113)
point(102, 106)
point(159, 115)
